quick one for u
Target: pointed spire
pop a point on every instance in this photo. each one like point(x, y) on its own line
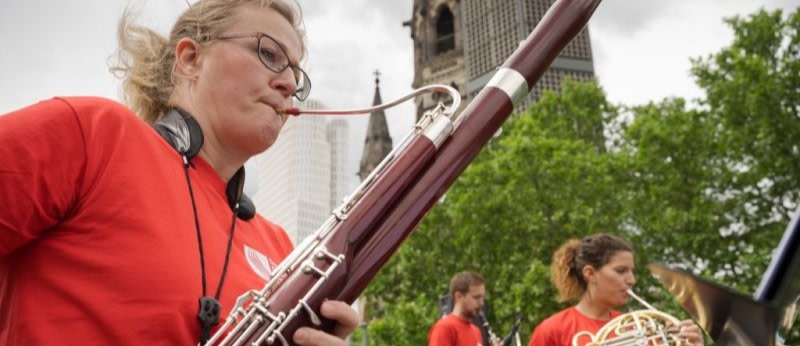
point(378, 143)
point(377, 99)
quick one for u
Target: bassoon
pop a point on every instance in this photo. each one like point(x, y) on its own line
point(340, 259)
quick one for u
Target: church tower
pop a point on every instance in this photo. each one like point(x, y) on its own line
point(378, 143)
point(461, 43)
point(436, 30)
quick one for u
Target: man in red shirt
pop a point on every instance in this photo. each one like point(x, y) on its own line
point(468, 291)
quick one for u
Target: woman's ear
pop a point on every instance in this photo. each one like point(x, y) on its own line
point(588, 273)
point(187, 58)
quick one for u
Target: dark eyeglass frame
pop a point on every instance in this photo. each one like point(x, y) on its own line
point(300, 76)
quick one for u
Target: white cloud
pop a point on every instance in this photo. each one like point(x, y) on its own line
point(642, 49)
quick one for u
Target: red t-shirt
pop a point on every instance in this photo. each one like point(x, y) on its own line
point(559, 329)
point(97, 234)
point(454, 331)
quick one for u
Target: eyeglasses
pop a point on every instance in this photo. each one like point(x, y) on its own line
point(274, 57)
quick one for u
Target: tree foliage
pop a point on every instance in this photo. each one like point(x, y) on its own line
point(709, 186)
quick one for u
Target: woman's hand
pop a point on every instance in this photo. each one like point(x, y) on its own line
point(691, 333)
point(338, 311)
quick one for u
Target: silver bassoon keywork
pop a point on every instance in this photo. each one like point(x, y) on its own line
point(340, 260)
point(251, 315)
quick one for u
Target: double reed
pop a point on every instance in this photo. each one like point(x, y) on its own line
point(349, 249)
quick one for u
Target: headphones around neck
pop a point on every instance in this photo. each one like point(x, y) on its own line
point(184, 134)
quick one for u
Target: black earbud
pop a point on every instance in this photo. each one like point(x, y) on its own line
point(183, 133)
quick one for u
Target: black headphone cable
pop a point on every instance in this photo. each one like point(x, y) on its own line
point(210, 307)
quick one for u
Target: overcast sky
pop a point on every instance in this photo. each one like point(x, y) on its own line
point(641, 49)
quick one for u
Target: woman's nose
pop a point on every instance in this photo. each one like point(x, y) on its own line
point(284, 82)
point(632, 280)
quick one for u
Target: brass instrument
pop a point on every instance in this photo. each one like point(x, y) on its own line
point(641, 327)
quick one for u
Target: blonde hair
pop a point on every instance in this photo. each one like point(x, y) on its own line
point(568, 261)
point(146, 60)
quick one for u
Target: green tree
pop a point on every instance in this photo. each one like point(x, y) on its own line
point(546, 178)
point(708, 186)
point(752, 99)
point(670, 173)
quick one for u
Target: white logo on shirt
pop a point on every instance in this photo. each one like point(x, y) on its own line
point(260, 263)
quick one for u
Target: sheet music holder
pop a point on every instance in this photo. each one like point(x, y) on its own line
point(732, 318)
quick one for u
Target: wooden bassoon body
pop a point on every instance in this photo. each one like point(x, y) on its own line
point(345, 254)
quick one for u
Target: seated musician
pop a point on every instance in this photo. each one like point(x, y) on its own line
point(596, 272)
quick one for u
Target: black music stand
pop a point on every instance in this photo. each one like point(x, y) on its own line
point(731, 318)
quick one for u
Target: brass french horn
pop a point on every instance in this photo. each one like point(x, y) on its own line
point(648, 327)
